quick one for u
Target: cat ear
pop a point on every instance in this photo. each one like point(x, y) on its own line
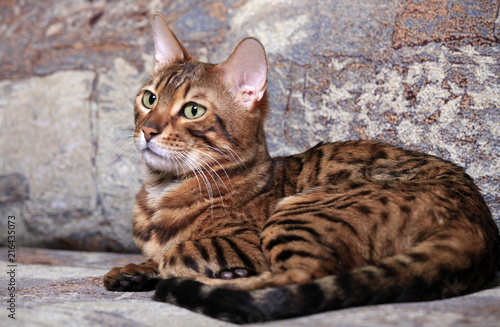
point(168, 49)
point(245, 72)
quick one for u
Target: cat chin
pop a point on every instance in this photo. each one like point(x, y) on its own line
point(159, 163)
point(167, 164)
point(155, 160)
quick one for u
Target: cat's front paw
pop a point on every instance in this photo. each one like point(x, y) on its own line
point(232, 273)
point(132, 278)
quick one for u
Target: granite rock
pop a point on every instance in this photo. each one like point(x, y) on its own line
point(14, 188)
point(420, 74)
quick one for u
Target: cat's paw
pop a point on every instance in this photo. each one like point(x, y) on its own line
point(132, 278)
point(232, 273)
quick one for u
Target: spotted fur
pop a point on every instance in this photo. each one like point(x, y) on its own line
point(340, 225)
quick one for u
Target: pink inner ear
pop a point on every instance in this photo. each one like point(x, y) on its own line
point(246, 71)
point(248, 94)
point(167, 48)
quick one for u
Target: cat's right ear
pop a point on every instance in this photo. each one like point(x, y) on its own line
point(245, 72)
point(168, 49)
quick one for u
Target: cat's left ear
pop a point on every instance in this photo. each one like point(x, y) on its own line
point(245, 72)
point(168, 49)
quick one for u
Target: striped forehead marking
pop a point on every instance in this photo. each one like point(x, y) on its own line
point(178, 77)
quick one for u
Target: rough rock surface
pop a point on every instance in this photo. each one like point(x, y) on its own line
point(421, 74)
point(64, 288)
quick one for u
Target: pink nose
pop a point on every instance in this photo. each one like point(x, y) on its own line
point(149, 132)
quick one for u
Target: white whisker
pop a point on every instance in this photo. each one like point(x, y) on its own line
point(184, 158)
point(238, 160)
point(208, 185)
point(125, 149)
point(205, 164)
point(235, 157)
point(216, 161)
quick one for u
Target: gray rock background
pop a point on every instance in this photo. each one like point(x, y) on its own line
point(423, 74)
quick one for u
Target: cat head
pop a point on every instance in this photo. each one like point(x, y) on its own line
point(193, 116)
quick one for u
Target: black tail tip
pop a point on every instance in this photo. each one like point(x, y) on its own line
point(219, 303)
point(181, 291)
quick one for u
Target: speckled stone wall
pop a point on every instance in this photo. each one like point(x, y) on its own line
point(423, 74)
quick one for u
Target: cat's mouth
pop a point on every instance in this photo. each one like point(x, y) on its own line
point(165, 162)
point(151, 152)
point(153, 155)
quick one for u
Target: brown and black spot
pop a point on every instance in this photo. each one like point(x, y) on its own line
point(339, 176)
point(143, 231)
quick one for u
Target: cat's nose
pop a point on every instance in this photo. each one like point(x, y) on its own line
point(149, 132)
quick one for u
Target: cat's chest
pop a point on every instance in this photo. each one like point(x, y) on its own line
point(158, 195)
point(173, 194)
point(164, 215)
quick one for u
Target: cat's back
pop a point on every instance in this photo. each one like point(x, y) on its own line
point(376, 173)
point(384, 192)
point(360, 162)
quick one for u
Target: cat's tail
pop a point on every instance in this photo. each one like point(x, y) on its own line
point(402, 278)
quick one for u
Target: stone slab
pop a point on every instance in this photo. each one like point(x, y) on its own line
point(64, 288)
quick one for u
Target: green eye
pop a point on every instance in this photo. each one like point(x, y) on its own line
point(149, 99)
point(193, 110)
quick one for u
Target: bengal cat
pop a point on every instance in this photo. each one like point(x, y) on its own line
point(237, 235)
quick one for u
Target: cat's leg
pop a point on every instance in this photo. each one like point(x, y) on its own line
point(303, 241)
point(205, 259)
point(133, 277)
point(309, 236)
point(316, 234)
point(215, 258)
